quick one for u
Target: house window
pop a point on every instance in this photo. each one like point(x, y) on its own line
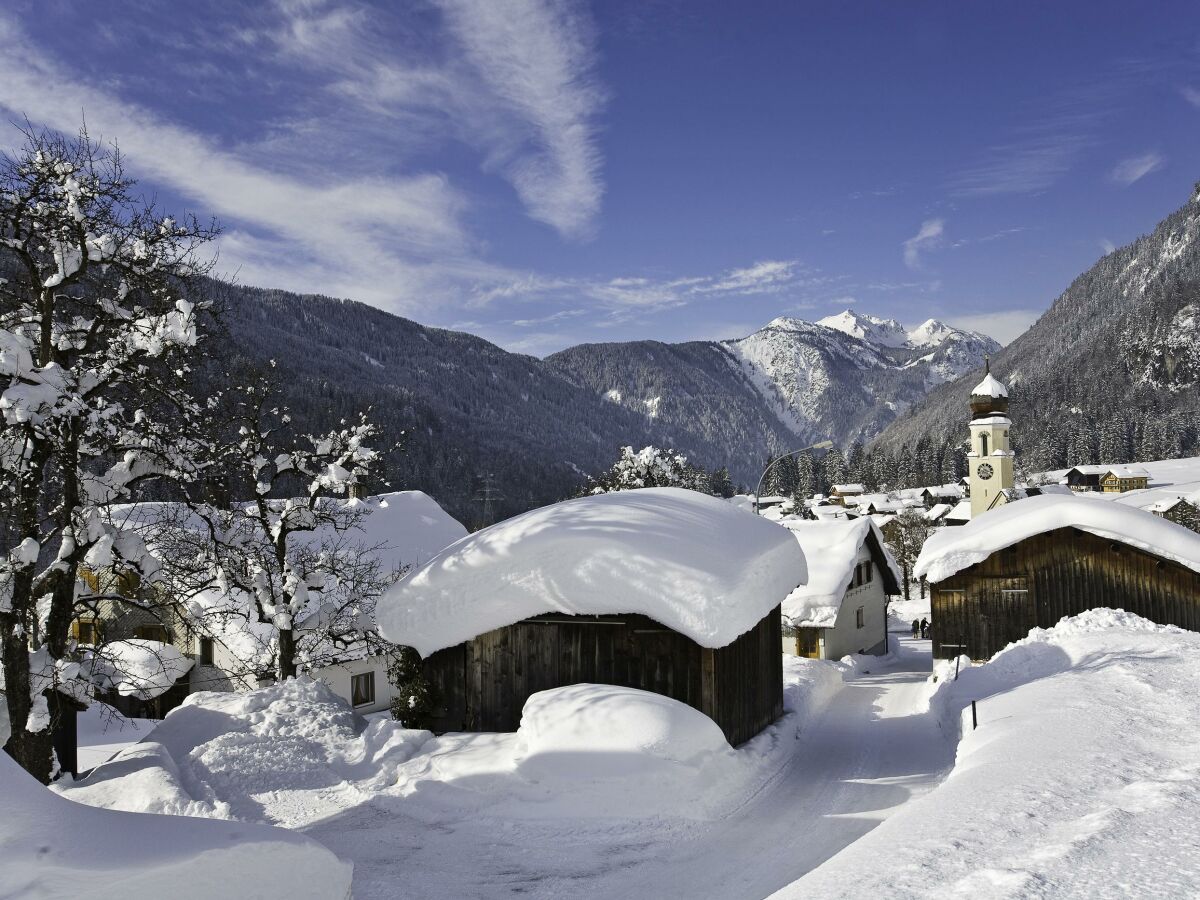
point(362, 689)
point(151, 633)
point(867, 576)
point(206, 651)
point(87, 631)
point(859, 617)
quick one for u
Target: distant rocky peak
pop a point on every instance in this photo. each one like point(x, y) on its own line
point(884, 332)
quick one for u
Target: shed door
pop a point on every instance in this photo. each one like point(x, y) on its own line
point(808, 642)
point(1007, 611)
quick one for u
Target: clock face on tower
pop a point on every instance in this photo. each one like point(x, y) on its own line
point(984, 471)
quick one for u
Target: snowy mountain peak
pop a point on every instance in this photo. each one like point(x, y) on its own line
point(930, 333)
point(884, 332)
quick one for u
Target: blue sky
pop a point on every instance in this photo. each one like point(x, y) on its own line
point(544, 174)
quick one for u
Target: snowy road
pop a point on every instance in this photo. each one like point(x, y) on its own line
point(871, 749)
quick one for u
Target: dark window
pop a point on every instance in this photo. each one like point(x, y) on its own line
point(362, 689)
point(206, 651)
point(867, 576)
point(86, 631)
point(859, 618)
point(151, 633)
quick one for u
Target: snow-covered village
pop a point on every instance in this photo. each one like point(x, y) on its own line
point(401, 495)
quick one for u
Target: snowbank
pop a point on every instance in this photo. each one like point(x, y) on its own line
point(136, 667)
point(219, 754)
point(606, 730)
point(53, 848)
point(830, 550)
point(951, 550)
point(694, 563)
point(1080, 782)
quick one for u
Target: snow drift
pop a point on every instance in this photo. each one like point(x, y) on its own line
point(1081, 780)
point(694, 563)
point(611, 731)
point(219, 754)
point(53, 848)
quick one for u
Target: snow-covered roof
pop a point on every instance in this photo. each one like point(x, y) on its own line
point(831, 550)
point(136, 667)
point(944, 490)
point(854, 488)
point(691, 562)
point(989, 387)
point(406, 528)
point(1126, 472)
point(954, 549)
point(936, 511)
point(1088, 470)
point(961, 512)
point(1166, 505)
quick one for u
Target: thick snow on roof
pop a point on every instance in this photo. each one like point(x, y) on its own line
point(691, 562)
point(854, 488)
point(989, 387)
point(407, 528)
point(830, 550)
point(961, 512)
point(954, 549)
point(1126, 472)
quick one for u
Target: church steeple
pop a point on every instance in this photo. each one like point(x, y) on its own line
point(989, 461)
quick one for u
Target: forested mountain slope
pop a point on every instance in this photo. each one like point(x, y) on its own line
point(1110, 373)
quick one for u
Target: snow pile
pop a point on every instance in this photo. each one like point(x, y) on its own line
point(103, 732)
point(951, 550)
point(1081, 780)
point(611, 731)
point(830, 550)
point(53, 848)
point(691, 562)
point(136, 667)
point(222, 754)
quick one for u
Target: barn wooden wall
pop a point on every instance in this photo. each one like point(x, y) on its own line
point(485, 682)
point(1065, 572)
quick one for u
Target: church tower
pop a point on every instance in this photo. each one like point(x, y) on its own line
point(989, 461)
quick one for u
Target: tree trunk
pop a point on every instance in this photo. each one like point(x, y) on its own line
point(907, 586)
point(922, 587)
point(287, 654)
point(31, 750)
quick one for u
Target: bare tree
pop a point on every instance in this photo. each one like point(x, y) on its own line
point(95, 331)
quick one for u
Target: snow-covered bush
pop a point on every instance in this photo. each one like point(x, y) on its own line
point(650, 467)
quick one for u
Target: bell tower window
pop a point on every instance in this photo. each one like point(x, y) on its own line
point(983, 445)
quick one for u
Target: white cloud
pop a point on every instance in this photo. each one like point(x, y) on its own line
point(927, 238)
point(1004, 326)
point(538, 59)
point(1127, 171)
point(1191, 95)
point(1107, 246)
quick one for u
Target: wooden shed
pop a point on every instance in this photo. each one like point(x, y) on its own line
point(483, 683)
point(660, 589)
point(1032, 563)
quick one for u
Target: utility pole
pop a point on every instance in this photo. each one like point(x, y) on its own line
point(488, 494)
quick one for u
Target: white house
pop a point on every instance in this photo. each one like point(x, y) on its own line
point(842, 609)
point(401, 530)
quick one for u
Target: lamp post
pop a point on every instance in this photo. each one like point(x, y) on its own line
point(822, 445)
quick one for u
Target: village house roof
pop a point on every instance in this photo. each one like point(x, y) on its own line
point(951, 550)
point(854, 488)
point(1125, 472)
point(831, 550)
point(691, 562)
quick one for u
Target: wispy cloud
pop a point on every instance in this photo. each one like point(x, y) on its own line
point(1191, 95)
point(927, 238)
point(539, 60)
point(1107, 246)
point(1135, 168)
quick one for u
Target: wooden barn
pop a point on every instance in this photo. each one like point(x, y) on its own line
point(1029, 564)
point(660, 589)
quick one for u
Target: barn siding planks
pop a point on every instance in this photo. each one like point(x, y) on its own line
point(1066, 571)
point(485, 682)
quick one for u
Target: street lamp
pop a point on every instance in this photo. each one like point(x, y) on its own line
point(823, 445)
